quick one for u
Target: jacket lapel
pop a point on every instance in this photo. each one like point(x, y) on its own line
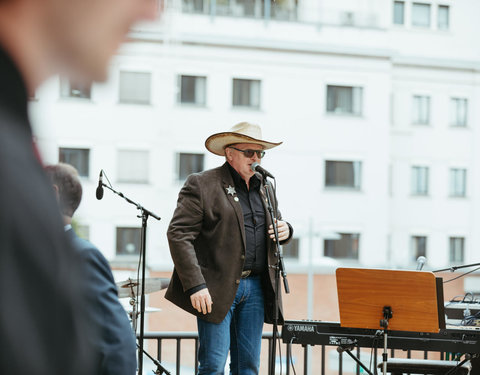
point(229, 191)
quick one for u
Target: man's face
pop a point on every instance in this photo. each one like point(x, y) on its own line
point(240, 162)
point(86, 33)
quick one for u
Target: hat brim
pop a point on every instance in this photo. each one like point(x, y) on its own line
point(216, 143)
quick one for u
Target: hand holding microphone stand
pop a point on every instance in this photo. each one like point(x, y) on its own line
point(280, 266)
point(144, 215)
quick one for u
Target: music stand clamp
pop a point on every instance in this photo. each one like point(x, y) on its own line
point(387, 315)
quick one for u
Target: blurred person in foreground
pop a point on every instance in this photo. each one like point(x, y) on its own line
point(41, 328)
point(221, 241)
point(116, 341)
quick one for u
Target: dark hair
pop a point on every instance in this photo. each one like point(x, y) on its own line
point(65, 177)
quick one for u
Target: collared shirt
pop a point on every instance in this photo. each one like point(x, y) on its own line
point(254, 221)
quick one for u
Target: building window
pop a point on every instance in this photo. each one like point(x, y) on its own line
point(246, 93)
point(421, 110)
point(419, 180)
point(188, 164)
point(443, 17)
point(128, 241)
point(290, 250)
point(133, 166)
point(135, 88)
point(344, 100)
point(192, 90)
point(458, 182)
point(457, 249)
point(345, 174)
point(78, 157)
point(347, 247)
point(419, 246)
point(195, 6)
point(458, 111)
point(421, 15)
point(69, 89)
point(398, 12)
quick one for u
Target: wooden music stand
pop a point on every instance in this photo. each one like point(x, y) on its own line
point(387, 300)
point(412, 296)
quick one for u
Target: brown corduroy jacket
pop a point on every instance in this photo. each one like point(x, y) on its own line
point(207, 243)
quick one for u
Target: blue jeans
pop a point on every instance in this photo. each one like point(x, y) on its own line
point(240, 332)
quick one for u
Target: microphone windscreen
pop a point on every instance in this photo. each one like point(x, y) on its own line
point(99, 192)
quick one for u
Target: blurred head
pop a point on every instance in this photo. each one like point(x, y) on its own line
point(73, 37)
point(66, 184)
point(86, 33)
point(237, 156)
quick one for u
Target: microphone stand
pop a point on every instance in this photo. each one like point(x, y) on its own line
point(454, 268)
point(160, 369)
point(144, 215)
point(279, 269)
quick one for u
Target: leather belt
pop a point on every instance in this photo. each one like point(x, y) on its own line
point(245, 274)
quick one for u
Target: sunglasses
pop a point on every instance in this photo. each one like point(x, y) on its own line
point(250, 153)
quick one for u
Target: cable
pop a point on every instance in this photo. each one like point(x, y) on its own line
point(462, 275)
point(290, 359)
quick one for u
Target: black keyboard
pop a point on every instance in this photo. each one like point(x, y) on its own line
point(456, 340)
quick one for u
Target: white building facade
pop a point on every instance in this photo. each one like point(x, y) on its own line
point(376, 102)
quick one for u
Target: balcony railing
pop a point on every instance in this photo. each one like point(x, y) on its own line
point(323, 360)
point(260, 9)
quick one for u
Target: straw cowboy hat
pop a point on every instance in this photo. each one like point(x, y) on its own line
point(243, 132)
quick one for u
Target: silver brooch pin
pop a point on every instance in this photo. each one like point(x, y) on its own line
point(231, 190)
point(235, 199)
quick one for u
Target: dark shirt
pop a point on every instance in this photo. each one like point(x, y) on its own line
point(254, 221)
point(42, 330)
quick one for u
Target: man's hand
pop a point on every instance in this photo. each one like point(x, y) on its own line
point(283, 230)
point(202, 301)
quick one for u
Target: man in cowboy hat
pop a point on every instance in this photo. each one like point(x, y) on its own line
point(221, 241)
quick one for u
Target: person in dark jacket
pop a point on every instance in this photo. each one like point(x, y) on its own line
point(116, 341)
point(221, 242)
point(42, 329)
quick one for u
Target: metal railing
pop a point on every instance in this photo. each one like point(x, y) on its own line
point(286, 350)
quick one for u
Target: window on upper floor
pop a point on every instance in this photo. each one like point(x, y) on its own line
point(399, 12)
point(421, 110)
point(458, 112)
point(135, 87)
point(419, 246)
point(347, 247)
point(457, 249)
point(419, 180)
point(189, 163)
point(421, 14)
point(246, 93)
point(69, 89)
point(458, 182)
point(290, 250)
point(128, 241)
point(443, 17)
point(78, 157)
point(344, 100)
point(193, 90)
point(344, 174)
point(133, 166)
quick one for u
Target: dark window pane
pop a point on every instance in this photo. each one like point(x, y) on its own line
point(290, 250)
point(344, 100)
point(347, 247)
point(193, 90)
point(128, 241)
point(188, 164)
point(457, 245)
point(398, 12)
point(78, 157)
point(419, 244)
point(342, 174)
point(69, 89)
point(246, 93)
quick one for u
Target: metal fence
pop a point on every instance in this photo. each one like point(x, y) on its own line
point(307, 359)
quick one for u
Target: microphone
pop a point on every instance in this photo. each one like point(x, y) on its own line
point(99, 192)
point(255, 167)
point(421, 260)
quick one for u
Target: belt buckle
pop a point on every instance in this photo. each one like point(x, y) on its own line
point(245, 274)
